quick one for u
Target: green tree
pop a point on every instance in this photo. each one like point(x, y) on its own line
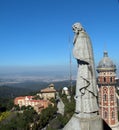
point(47, 115)
point(21, 121)
point(16, 107)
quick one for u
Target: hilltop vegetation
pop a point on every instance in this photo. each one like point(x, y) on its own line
point(48, 118)
point(11, 92)
point(26, 117)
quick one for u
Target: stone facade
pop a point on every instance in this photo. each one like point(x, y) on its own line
point(38, 105)
point(48, 92)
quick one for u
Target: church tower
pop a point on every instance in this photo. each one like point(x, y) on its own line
point(107, 91)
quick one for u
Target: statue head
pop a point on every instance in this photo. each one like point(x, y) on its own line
point(77, 27)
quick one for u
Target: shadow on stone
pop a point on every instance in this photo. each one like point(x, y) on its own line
point(106, 126)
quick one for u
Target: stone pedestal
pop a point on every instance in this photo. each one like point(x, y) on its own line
point(91, 123)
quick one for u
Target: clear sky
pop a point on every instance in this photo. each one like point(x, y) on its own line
point(37, 32)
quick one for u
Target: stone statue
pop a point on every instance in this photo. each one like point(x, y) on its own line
point(86, 88)
point(86, 111)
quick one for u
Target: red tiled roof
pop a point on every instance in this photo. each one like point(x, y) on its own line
point(19, 98)
point(29, 96)
point(48, 90)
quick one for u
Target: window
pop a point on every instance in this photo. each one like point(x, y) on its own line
point(105, 114)
point(104, 97)
point(104, 79)
point(112, 114)
point(111, 79)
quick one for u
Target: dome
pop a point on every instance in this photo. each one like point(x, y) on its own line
point(106, 63)
point(65, 89)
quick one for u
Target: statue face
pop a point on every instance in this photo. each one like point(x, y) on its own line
point(77, 27)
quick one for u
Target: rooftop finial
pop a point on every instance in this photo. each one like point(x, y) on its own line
point(105, 54)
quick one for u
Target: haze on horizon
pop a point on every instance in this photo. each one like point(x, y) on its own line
point(37, 35)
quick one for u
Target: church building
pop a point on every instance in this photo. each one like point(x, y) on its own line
point(107, 91)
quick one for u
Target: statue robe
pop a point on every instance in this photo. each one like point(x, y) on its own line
point(86, 88)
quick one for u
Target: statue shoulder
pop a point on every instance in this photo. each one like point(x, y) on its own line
point(84, 34)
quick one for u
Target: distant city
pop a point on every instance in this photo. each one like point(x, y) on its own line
point(14, 76)
point(9, 76)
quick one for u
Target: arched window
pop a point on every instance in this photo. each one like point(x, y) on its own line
point(110, 79)
point(105, 114)
point(104, 79)
point(104, 97)
point(112, 114)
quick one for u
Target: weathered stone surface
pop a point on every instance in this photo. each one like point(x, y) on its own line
point(86, 90)
point(77, 123)
point(86, 117)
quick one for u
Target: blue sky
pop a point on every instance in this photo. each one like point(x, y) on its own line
point(37, 32)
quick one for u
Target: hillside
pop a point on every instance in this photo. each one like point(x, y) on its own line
point(11, 92)
point(18, 89)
